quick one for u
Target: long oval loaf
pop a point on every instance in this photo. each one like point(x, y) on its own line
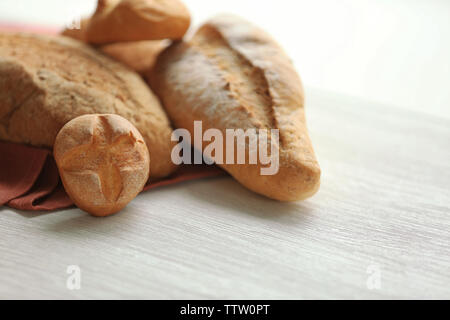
point(46, 81)
point(232, 75)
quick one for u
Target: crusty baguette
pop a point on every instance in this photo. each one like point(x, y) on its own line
point(232, 75)
point(136, 20)
point(46, 81)
point(103, 162)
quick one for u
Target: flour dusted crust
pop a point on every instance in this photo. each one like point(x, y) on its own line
point(46, 81)
point(103, 162)
point(232, 75)
point(136, 20)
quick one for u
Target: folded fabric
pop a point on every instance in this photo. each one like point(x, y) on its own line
point(29, 178)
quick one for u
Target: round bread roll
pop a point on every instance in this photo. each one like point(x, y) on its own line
point(46, 81)
point(136, 20)
point(103, 162)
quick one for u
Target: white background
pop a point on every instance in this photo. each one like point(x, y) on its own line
point(393, 52)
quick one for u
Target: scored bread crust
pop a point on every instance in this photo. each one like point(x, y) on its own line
point(103, 162)
point(232, 75)
point(46, 81)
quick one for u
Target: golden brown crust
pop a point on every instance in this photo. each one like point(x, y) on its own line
point(103, 162)
point(136, 20)
point(47, 81)
point(140, 56)
point(232, 75)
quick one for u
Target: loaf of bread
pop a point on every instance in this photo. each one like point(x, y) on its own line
point(46, 81)
point(232, 75)
point(103, 162)
point(135, 20)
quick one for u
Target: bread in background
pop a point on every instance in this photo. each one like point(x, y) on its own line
point(137, 20)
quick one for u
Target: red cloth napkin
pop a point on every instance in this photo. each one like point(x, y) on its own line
point(29, 178)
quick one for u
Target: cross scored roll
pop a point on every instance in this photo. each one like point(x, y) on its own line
point(103, 162)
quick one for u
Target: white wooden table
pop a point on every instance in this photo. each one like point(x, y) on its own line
point(378, 228)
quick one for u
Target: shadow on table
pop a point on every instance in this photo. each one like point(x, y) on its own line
point(223, 192)
point(228, 193)
point(81, 223)
point(34, 214)
point(75, 221)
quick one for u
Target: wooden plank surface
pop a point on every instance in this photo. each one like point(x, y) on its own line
point(383, 210)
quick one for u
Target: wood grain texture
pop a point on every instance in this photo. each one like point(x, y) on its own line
point(384, 201)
